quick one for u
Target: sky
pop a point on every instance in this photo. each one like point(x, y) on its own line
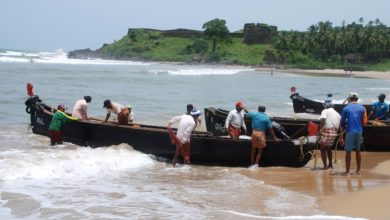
point(49, 25)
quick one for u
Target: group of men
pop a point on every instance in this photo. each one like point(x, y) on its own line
point(80, 112)
point(260, 125)
point(350, 123)
point(351, 120)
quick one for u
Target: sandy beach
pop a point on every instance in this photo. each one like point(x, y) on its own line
point(331, 72)
point(362, 195)
point(367, 194)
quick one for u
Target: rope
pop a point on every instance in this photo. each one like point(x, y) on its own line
point(315, 155)
point(301, 143)
point(337, 143)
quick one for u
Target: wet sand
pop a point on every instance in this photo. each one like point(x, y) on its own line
point(362, 195)
point(371, 199)
point(331, 72)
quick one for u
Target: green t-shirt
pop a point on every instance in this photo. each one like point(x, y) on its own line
point(59, 119)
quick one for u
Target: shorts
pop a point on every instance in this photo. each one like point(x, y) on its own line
point(55, 137)
point(352, 140)
point(328, 136)
point(123, 117)
point(258, 139)
point(234, 132)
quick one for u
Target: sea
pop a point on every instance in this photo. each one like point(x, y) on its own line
point(39, 181)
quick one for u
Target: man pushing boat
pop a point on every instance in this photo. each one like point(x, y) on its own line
point(187, 124)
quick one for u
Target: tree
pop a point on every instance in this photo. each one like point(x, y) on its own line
point(217, 31)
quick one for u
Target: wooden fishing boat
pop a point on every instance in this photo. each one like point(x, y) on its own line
point(375, 135)
point(206, 148)
point(304, 105)
point(284, 128)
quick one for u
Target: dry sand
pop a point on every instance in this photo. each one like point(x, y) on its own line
point(331, 72)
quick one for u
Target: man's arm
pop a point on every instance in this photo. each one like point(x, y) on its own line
point(107, 116)
point(228, 119)
point(173, 120)
point(364, 122)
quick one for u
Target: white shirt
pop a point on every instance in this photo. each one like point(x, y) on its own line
point(80, 109)
point(236, 119)
point(186, 126)
point(332, 118)
point(115, 108)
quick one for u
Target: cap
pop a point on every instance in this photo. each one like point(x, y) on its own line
point(382, 96)
point(88, 98)
point(196, 112)
point(107, 103)
point(62, 106)
point(239, 104)
point(353, 95)
point(328, 103)
point(128, 106)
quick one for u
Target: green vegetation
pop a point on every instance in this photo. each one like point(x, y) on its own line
point(354, 46)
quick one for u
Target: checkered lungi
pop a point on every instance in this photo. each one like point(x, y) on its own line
point(328, 136)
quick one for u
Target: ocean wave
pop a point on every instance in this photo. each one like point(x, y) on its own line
point(198, 71)
point(65, 161)
point(57, 57)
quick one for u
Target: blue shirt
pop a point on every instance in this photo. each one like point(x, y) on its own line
point(260, 121)
point(352, 117)
point(380, 109)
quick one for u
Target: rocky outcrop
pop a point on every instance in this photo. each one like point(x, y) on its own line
point(85, 54)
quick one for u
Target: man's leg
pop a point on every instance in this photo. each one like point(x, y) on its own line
point(176, 154)
point(323, 156)
point(347, 161)
point(253, 154)
point(358, 161)
point(329, 152)
point(258, 157)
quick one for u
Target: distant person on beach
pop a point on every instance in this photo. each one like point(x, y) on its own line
point(58, 120)
point(181, 139)
point(113, 107)
point(329, 126)
point(80, 108)
point(260, 125)
point(131, 113)
point(235, 121)
point(353, 118)
point(380, 108)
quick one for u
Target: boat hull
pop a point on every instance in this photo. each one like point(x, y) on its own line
point(375, 138)
point(206, 149)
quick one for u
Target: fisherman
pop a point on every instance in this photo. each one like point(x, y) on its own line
point(80, 108)
point(329, 126)
point(380, 108)
point(187, 124)
point(353, 118)
point(235, 121)
point(58, 120)
point(260, 125)
point(123, 113)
